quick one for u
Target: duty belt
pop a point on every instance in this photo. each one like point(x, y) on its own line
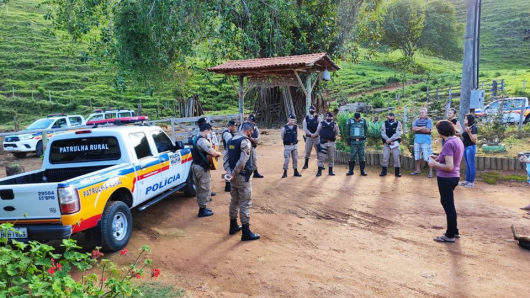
point(356, 140)
point(290, 144)
point(326, 141)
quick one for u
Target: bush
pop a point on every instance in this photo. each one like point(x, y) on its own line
point(33, 270)
point(392, 80)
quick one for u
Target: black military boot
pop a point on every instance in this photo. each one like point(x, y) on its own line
point(319, 173)
point(351, 165)
point(362, 164)
point(396, 170)
point(331, 171)
point(228, 187)
point(234, 227)
point(203, 212)
point(296, 173)
point(247, 234)
point(284, 174)
point(306, 163)
point(383, 172)
point(257, 174)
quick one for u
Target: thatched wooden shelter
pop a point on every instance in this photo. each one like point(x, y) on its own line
point(275, 81)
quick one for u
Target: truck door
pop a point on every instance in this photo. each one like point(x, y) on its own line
point(148, 177)
point(173, 173)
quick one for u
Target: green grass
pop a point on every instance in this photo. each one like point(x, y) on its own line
point(37, 65)
point(496, 177)
point(159, 290)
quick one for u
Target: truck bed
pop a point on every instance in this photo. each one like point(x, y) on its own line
point(52, 175)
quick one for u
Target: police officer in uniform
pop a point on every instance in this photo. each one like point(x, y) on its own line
point(254, 138)
point(290, 140)
point(200, 168)
point(238, 163)
point(356, 132)
point(212, 137)
point(328, 132)
point(310, 125)
point(227, 134)
point(390, 133)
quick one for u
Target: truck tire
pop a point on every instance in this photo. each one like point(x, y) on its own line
point(19, 154)
point(116, 226)
point(190, 190)
point(39, 149)
point(527, 119)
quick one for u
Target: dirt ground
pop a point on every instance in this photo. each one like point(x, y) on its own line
point(337, 237)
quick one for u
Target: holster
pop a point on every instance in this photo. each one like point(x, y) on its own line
point(305, 141)
point(246, 175)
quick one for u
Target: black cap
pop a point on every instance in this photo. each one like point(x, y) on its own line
point(312, 108)
point(291, 116)
point(205, 126)
point(252, 118)
point(231, 123)
point(201, 121)
point(357, 115)
point(329, 114)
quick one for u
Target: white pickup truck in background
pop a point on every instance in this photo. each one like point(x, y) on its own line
point(89, 181)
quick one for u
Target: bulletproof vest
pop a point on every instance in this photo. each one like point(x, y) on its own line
point(234, 153)
point(196, 156)
point(454, 121)
point(327, 133)
point(223, 136)
point(357, 129)
point(390, 129)
point(291, 135)
point(311, 124)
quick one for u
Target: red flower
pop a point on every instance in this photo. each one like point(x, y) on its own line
point(51, 270)
point(138, 275)
point(155, 272)
point(96, 254)
point(59, 266)
point(124, 251)
point(103, 279)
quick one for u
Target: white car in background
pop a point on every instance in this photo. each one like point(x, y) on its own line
point(22, 144)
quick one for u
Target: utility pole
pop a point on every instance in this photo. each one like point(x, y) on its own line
point(470, 68)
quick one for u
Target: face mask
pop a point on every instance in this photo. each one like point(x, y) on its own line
point(329, 119)
point(390, 120)
point(312, 112)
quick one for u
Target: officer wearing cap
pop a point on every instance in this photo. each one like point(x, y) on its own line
point(254, 138)
point(238, 163)
point(310, 125)
point(227, 134)
point(356, 130)
point(390, 133)
point(212, 137)
point(201, 168)
point(289, 135)
point(328, 132)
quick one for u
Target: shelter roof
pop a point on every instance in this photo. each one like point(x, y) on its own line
point(276, 66)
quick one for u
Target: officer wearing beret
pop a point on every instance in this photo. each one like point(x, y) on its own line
point(356, 130)
point(228, 134)
point(289, 135)
point(310, 126)
point(328, 132)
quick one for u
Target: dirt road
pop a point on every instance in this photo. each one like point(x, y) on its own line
point(338, 237)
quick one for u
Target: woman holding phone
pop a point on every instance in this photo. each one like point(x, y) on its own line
point(447, 166)
point(470, 144)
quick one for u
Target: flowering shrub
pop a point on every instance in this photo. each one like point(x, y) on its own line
point(34, 270)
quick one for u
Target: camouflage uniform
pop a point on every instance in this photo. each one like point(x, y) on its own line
point(356, 133)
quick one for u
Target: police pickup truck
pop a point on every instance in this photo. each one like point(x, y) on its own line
point(89, 181)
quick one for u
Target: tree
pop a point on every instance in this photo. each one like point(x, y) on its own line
point(442, 34)
point(402, 22)
point(412, 25)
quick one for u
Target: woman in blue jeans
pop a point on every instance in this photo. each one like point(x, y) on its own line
point(470, 143)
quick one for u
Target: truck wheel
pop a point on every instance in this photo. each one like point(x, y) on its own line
point(190, 190)
point(116, 226)
point(527, 119)
point(39, 149)
point(19, 154)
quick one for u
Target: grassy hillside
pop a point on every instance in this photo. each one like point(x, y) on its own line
point(503, 28)
point(35, 65)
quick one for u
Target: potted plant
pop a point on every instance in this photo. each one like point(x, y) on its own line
point(493, 132)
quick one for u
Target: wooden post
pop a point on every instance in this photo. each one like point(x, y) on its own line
point(522, 116)
point(480, 163)
point(50, 95)
point(241, 99)
point(487, 163)
point(449, 100)
point(505, 164)
point(511, 164)
point(32, 95)
point(308, 92)
point(173, 138)
point(405, 119)
point(44, 140)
